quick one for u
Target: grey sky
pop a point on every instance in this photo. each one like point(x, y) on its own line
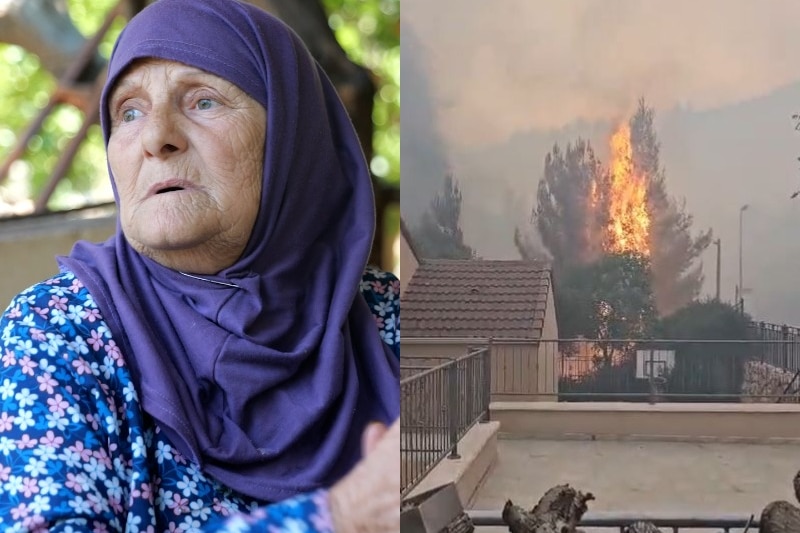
point(510, 61)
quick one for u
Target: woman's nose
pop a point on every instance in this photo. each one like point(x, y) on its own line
point(162, 135)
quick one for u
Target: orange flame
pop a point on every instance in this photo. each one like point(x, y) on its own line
point(629, 221)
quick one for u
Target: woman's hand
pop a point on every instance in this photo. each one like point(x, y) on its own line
point(367, 500)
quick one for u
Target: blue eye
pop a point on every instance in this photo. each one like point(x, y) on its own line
point(205, 103)
point(129, 115)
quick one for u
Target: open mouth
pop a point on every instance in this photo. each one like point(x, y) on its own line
point(169, 189)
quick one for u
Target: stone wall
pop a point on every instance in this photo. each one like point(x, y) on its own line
point(763, 379)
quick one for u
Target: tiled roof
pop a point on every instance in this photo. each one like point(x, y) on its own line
point(407, 236)
point(476, 298)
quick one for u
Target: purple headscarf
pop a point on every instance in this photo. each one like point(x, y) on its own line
point(267, 373)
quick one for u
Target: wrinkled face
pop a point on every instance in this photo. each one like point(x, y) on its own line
point(187, 153)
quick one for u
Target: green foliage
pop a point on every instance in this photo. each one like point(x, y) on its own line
point(608, 299)
point(707, 367)
point(26, 89)
point(709, 319)
point(701, 368)
point(439, 235)
point(369, 31)
point(563, 214)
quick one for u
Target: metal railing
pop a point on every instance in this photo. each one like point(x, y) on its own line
point(439, 405)
point(618, 521)
point(675, 370)
point(785, 354)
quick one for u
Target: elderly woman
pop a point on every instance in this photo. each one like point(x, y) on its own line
point(215, 364)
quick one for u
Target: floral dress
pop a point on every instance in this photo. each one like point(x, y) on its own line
point(78, 453)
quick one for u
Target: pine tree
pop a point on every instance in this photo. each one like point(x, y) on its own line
point(438, 235)
point(676, 269)
point(567, 222)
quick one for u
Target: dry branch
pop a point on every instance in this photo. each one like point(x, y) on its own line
point(558, 511)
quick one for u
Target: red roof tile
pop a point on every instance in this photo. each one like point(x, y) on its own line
point(476, 298)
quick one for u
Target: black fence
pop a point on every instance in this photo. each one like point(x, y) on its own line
point(763, 370)
point(786, 352)
point(608, 521)
point(439, 405)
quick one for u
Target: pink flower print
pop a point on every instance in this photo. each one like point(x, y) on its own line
point(99, 527)
point(76, 286)
point(26, 442)
point(42, 312)
point(379, 321)
point(9, 359)
point(115, 503)
point(57, 404)
point(90, 315)
point(27, 365)
point(51, 439)
point(20, 511)
point(75, 482)
point(14, 312)
point(81, 450)
point(102, 457)
point(147, 492)
point(82, 366)
point(378, 287)
point(5, 472)
point(113, 351)
point(322, 520)
point(37, 334)
point(29, 487)
point(36, 523)
point(219, 508)
point(92, 421)
point(58, 303)
point(46, 383)
point(179, 504)
point(173, 528)
point(6, 422)
point(96, 501)
point(96, 341)
point(178, 457)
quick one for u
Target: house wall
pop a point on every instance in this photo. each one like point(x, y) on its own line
point(523, 371)
point(514, 371)
point(548, 356)
point(550, 328)
point(28, 246)
point(408, 263)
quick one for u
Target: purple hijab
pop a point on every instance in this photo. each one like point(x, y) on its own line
point(267, 373)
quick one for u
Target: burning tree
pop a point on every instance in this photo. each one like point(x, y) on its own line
point(586, 211)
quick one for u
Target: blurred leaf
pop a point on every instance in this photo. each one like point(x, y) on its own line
point(368, 30)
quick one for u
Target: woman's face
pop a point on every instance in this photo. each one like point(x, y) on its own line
point(187, 154)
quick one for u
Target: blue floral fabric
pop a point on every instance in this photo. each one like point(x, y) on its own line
point(77, 453)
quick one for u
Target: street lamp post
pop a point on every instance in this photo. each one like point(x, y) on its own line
point(740, 291)
point(718, 243)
